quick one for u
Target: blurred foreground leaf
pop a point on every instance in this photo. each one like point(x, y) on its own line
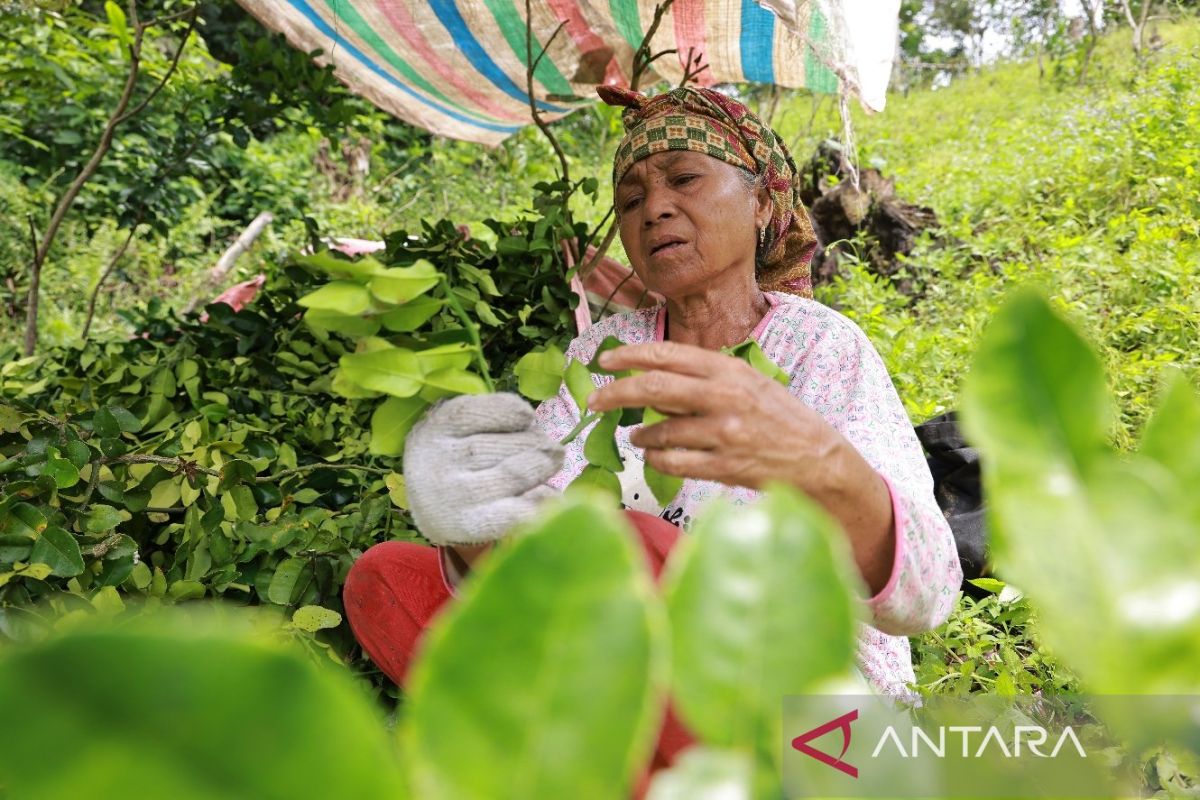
point(172, 708)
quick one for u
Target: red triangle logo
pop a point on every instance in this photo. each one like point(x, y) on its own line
point(801, 743)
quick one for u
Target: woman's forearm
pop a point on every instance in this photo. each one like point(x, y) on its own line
point(858, 498)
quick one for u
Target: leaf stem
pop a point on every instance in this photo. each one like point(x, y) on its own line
point(472, 330)
point(578, 429)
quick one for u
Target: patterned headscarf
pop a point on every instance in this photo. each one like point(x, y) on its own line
point(708, 122)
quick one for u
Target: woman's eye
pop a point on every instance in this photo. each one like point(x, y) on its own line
point(682, 179)
point(630, 203)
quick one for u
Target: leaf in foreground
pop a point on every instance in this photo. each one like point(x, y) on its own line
point(171, 708)
point(546, 679)
point(762, 605)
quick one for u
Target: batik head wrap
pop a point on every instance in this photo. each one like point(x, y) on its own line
point(705, 121)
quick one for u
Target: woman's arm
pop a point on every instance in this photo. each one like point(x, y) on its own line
point(732, 424)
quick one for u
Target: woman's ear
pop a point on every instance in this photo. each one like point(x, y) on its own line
point(764, 207)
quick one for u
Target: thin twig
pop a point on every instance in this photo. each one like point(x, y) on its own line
point(533, 109)
point(549, 42)
point(613, 294)
point(31, 304)
point(689, 74)
point(287, 473)
point(195, 12)
point(112, 264)
point(596, 258)
point(180, 464)
point(641, 57)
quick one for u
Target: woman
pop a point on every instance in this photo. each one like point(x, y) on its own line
point(710, 218)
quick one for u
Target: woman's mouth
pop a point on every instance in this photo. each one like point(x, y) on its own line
point(665, 247)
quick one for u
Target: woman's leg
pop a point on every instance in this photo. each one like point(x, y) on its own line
point(392, 593)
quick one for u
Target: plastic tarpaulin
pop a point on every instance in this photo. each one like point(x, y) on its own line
point(458, 69)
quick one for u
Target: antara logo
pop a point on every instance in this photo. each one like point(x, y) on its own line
point(842, 723)
point(1033, 737)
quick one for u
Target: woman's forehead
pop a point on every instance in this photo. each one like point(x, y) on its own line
point(659, 162)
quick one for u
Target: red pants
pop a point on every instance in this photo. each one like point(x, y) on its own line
point(396, 589)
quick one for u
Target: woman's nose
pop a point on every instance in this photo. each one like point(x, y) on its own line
point(658, 205)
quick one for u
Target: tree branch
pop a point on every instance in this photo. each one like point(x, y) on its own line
point(641, 57)
point(31, 304)
point(119, 114)
point(112, 264)
point(195, 14)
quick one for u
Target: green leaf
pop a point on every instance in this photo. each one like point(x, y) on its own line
point(23, 519)
point(1061, 402)
point(750, 352)
point(63, 472)
point(597, 479)
point(126, 421)
point(569, 680)
point(391, 423)
point(332, 264)
point(234, 472)
point(540, 374)
point(988, 584)
point(105, 425)
point(283, 582)
point(199, 692)
point(102, 519)
point(402, 284)
point(1067, 510)
point(600, 449)
point(14, 547)
point(512, 245)
point(243, 502)
point(58, 550)
point(579, 384)
point(117, 22)
point(315, 618)
point(395, 371)
point(77, 453)
point(448, 356)
point(456, 381)
point(412, 315)
point(761, 604)
point(609, 343)
point(344, 297)
point(306, 496)
point(182, 591)
point(486, 315)
point(664, 487)
point(397, 490)
point(326, 320)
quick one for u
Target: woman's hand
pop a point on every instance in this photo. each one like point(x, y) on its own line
point(730, 423)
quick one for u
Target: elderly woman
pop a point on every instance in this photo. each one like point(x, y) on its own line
point(710, 218)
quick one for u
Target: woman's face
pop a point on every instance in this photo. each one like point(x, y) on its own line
point(687, 219)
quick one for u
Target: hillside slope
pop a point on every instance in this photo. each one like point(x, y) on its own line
point(1090, 191)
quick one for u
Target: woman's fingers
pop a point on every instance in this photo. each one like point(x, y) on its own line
point(668, 392)
point(723, 431)
point(685, 359)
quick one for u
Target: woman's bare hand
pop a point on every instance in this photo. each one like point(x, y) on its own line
point(729, 423)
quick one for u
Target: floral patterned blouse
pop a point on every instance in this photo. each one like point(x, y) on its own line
point(836, 372)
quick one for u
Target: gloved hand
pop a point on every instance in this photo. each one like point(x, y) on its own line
point(475, 466)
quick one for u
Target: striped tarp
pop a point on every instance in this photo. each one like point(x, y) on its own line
point(458, 68)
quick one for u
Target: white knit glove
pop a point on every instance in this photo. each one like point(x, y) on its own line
point(475, 466)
